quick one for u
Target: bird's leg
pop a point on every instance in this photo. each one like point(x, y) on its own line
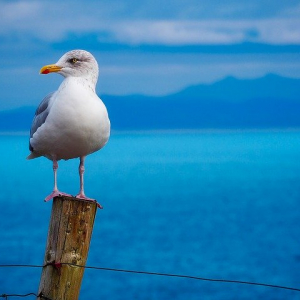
point(81, 172)
point(55, 191)
point(81, 194)
point(55, 167)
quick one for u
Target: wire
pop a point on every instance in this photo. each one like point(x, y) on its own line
point(17, 295)
point(188, 277)
point(163, 274)
point(41, 296)
point(21, 266)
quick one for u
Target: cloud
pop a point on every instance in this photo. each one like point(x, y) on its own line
point(51, 22)
point(212, 32)
point(14, 12)
point(175, 33)
point(171, 34)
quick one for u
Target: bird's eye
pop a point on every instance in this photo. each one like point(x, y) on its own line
point(73, 60)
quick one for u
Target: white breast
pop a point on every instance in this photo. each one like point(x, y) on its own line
point(77, 123)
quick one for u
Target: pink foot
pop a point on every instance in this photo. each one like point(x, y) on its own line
point(84, 197)
point(55, 194)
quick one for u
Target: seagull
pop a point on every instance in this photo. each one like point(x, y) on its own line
point(71, 122)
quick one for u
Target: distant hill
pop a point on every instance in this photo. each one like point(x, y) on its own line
point(270, 101)
point(232, 89)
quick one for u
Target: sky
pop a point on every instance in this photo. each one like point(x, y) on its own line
point(150, 47)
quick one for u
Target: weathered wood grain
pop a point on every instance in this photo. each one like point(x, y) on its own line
point(69, 236)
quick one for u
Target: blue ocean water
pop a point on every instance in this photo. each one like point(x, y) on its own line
point(209, 204)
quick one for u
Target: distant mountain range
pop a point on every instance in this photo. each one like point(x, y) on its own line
point(267, 102)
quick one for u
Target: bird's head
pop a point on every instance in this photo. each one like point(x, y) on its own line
point(75, 63)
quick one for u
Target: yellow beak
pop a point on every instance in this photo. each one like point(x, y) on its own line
point(50, 69)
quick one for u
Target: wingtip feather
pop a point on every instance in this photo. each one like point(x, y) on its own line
point(31, 156)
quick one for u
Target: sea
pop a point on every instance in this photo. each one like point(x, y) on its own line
point(211, 204)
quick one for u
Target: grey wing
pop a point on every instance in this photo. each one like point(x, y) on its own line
point(40, 116)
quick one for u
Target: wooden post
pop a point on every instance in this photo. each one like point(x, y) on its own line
point(69, 236)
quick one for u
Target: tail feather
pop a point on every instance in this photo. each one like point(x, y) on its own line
point(33, 155)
